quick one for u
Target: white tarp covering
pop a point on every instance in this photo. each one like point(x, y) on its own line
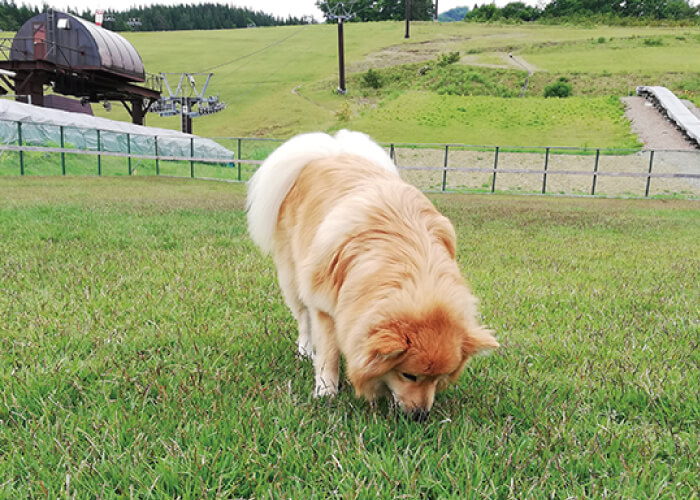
point(42, 127)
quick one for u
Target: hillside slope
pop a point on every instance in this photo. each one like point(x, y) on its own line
point(281, 81)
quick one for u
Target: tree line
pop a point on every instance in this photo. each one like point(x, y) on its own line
point(208, 16)
point(613, 11)
point(554, 11)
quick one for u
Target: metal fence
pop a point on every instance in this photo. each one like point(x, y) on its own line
point(549, 170)
point(431, 167)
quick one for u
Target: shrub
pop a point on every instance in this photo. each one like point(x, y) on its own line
point(447, 59)
point(372, 79)
point(560, 88)
point(653, 42)
point(344, 113)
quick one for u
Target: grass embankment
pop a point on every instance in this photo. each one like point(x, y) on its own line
point(485, 120)
point(145, 351)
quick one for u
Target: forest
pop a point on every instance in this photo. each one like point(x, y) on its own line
point(207, 16)
point(212, 16)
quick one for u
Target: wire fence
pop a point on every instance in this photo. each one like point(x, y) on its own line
point(430, 167)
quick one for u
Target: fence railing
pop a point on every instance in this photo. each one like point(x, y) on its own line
point(431, 167)
point(548, 170)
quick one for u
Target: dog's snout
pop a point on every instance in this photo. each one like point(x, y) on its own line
point(420, 415)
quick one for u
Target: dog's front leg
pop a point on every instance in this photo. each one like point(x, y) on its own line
point(326, 354)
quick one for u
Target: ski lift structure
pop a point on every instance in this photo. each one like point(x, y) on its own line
point(78, 58)
point(341, 12)
point(186, 100)
point(75, 57)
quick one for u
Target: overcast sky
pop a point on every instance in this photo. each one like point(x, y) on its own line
point(279, 8)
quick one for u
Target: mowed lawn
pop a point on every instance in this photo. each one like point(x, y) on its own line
point(145, 352)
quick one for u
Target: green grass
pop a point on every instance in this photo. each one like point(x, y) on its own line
point(643, 55)
point(145, 351)
point(485, 120)
point(50, 164)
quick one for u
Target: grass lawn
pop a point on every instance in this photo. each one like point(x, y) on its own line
point(640, 55)
point(145, 351)
point(484, 120)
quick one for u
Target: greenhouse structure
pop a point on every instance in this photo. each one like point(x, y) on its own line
point(24, 124)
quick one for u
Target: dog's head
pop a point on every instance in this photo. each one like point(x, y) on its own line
point(414, 356)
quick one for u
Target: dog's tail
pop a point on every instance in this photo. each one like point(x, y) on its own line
point(269, 186)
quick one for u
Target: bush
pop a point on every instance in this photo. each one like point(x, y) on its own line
point(344, 113)
point(560, 88)
point(372, 79)
point(653, 42)
point(447, 59)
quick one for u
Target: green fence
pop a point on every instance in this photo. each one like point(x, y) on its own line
point(431, 167)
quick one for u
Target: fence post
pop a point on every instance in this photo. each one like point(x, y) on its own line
point(392, 153)
point(495, 166)
point(191, 157)
point(99, 157)
point(21, 153)
point(157, 160)
point(239, 158)
point(128, 150)
point(444, 169)
point(63, 155)
point(651, 164)
point(595, 171)
point(544, 176)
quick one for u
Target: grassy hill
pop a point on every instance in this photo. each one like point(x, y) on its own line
point(281, 81)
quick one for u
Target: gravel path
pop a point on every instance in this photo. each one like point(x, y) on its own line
point(653, 130)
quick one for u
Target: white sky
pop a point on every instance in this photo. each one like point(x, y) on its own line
point(279, 8)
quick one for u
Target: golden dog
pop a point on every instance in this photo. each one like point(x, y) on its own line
point(367, 266)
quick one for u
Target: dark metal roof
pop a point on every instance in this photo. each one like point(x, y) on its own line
point(72, 42)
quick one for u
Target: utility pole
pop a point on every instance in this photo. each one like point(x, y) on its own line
point(341, 58)
point(341, 12)
point(408, 19)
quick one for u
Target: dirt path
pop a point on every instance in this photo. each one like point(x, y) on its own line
point(518, 62)
point(653, 130)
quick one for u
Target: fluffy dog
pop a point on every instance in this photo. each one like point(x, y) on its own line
point(367, 266)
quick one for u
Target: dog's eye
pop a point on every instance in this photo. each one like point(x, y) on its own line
point(410, 377)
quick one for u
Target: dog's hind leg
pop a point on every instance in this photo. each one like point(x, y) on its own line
point(290, 292)
point(326, 358)
point(305, 347)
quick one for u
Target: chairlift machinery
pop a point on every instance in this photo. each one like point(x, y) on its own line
point(186, 100)
point(81, 59)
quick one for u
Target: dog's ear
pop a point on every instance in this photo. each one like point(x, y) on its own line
point(386, 342)
point(478, 340)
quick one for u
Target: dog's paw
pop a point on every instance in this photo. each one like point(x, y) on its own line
point(325, 390)
point(305, 351)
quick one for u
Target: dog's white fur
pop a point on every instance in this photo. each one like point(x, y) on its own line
point(273, 180)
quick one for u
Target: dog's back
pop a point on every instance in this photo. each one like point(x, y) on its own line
point(271, 183)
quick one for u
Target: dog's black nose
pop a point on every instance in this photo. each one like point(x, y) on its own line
point(420, 415)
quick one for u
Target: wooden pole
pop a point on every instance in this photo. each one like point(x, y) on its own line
point(408, 19)
point(341, 57)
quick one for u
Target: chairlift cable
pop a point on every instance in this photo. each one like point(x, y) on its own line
point(257, 51)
